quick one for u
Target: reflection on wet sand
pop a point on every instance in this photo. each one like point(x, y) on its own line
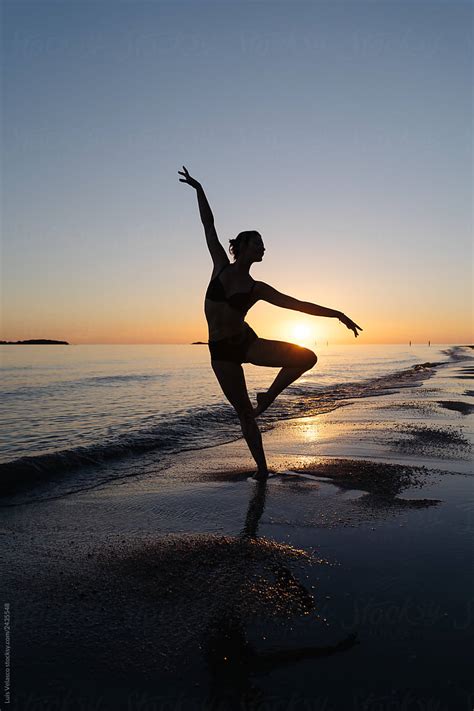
point(233, 662)
point(207, 593)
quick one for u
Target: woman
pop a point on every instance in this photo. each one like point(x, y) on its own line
point(230, 294)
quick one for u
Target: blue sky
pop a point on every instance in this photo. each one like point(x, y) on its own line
point(341, 131)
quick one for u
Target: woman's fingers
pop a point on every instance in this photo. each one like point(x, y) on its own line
point(353, 327)
point(187, 178)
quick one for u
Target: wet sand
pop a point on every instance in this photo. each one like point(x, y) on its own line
point(344, 582)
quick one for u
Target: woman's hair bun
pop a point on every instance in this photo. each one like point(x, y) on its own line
point(235, 245)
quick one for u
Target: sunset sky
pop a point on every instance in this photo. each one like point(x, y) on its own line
point(342, 131)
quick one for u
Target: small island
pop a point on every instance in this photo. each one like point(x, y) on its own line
point(199, 343)
point(34, 342)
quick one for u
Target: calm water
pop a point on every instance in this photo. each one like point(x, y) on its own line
point(67, 405)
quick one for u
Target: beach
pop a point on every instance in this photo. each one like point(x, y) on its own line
point(342, 582)
point(191, 187)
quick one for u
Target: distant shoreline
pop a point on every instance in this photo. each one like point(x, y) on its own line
point(34, 342)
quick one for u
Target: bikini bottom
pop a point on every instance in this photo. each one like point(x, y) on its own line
point(233, 348)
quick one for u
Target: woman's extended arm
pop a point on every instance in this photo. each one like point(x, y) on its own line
point(268, 293)
point(207, 218)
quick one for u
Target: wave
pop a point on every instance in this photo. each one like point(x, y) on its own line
point(65, 385)
point(458, 353)
point(202, 427)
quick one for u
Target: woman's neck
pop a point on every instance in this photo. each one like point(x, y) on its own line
point(242, 265)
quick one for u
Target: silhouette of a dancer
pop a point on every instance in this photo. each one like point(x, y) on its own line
point(230, 294)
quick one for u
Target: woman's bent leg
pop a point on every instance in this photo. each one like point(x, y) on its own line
point(232, 381)
point(295, 360)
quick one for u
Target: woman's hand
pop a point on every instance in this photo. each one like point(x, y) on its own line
point(188, 179)
point(350, 324)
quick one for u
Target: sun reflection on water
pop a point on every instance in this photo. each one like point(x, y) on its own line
point(310, 431)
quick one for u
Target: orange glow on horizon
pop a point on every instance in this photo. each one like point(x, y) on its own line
point(268, 322)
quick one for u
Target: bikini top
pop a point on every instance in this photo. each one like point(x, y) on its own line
point(241, 301)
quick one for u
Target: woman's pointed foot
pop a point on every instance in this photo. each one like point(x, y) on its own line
point(263, 401)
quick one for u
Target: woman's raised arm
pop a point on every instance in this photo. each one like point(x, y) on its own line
point(265, 292)
point(217, 251)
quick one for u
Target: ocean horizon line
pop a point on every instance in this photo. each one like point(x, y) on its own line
point(204, 343)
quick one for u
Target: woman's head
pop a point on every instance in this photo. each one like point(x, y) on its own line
point(249, 242)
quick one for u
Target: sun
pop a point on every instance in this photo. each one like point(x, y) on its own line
point(302, 334)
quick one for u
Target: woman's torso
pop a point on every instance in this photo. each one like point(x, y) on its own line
point(228, 298)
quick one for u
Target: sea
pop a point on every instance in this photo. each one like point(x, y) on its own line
point(82, 415)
